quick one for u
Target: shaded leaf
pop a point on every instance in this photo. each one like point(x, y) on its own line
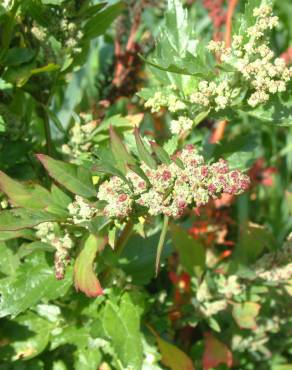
point(191, 252)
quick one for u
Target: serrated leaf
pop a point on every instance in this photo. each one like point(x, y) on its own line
point(35, 280)
point(121, 326)
point(245, 314)
point(122, 157)
point(144, 155)
point(76, 179)
point(191, 252)
point(85, 278)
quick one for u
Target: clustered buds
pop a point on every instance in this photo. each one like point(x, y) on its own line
point(80, 211)
point(80, 134)
point(252, 57)
point(165, 99)
point(48, 232)
point(171, 188)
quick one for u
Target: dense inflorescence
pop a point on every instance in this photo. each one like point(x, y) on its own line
point(50, 233)
point(171, 189)
point(252, 57)
point(248, 70)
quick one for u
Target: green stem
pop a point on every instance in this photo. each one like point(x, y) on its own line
point(124, 237)
point(161, 243)
point(47, 128)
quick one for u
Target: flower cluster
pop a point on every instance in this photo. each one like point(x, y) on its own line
point(79, 141)
point(48, 232)
point(250, 56)
point(81, 211)
point(165, 99)
point(181, 125)
point(71, 34)
point(219, 94)
point(171, 189)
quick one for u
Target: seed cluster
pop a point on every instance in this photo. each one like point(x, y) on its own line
point(252, 57)
point(171, 189)
point(80, 211)
point(49, 232)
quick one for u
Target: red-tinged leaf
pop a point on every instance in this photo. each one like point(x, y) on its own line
point(215, 353)
point(172, 356)
point(76, 179)
point(122, 157)
point(85, 279)
point(32, 197)
point(245, 314)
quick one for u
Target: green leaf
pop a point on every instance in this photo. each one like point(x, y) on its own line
point(85, 278)
point(144, 155)
point(33, 197)
point(177, 50)
point(139, 263)
point(161, 154)
point(8, 260)
point(98, 24)
point(245, 314)
point(25, 337)
point(25, 234)
point(20, 218)
point(192, 253)
point(17, 56)
point(253, 240)
point(122, 157)
point(121, 326)
point(76, 179)
point(34, 281)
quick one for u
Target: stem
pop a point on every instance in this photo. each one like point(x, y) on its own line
point(47, 128)
point(228, 33)
point(124, 237)
point(161, 243)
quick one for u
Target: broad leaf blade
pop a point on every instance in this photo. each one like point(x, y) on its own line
point(75, 178)
point(85, 279)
